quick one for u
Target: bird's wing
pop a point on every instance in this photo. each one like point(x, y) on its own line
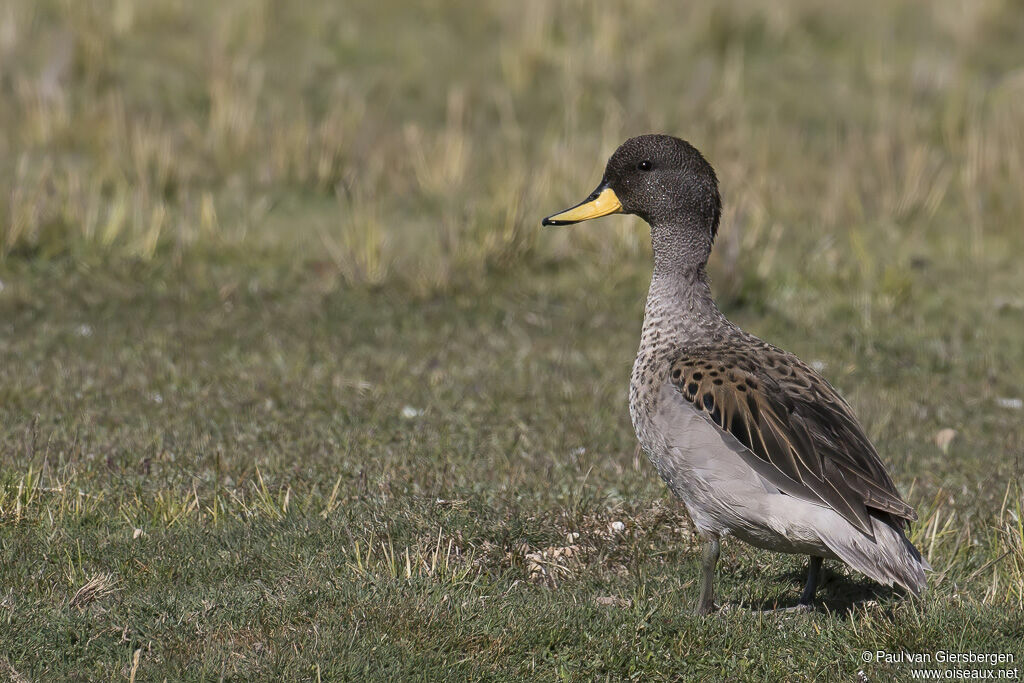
point(799, 433)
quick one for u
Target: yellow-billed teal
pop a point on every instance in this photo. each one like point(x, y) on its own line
point(755, 443)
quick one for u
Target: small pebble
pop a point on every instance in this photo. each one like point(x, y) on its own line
point(613, 601)
point(408, 412)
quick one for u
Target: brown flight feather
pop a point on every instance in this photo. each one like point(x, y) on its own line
point(800, 434)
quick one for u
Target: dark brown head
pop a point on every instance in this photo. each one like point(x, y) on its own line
point(660, 178)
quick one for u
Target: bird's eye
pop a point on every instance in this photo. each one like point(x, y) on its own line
point(644, 165)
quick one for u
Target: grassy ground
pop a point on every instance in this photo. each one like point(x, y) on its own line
point(292, 384)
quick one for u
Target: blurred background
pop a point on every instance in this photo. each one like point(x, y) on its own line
point(294, 385)
point(423, 142)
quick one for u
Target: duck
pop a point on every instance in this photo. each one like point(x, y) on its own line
point(755, 443)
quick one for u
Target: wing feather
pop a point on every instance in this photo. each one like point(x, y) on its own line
point(800, 434)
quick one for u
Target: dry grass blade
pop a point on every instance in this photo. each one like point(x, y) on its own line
point(135, 665)
point(96, 588)
point(12, 674)
point(977, 572)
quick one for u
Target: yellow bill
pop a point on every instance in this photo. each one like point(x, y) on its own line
point(601, 203)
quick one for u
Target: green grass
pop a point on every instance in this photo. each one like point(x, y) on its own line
point(292, 385)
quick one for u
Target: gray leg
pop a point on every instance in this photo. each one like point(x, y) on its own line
point(708, 561)
point(813, 573)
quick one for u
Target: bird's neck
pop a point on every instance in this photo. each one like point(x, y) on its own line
point(681, 249)
point(680, 310)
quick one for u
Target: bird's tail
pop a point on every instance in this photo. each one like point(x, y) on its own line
point(889, 559)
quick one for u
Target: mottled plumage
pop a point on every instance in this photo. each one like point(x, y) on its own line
point(753, 441)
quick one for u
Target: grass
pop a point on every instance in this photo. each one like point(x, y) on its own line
point(292, 385)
